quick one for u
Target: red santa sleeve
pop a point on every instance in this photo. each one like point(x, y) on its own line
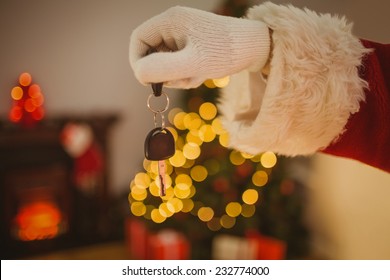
point(326, 91)
point(367, 133)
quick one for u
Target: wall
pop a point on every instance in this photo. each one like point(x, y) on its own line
point(78, 52)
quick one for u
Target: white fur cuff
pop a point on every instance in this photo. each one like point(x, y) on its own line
point(312, 89)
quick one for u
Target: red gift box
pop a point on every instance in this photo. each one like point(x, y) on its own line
point(254, 246)
point(137, 236)
point(267, 248)
point(168, 245)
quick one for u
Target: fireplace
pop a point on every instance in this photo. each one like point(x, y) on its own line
point(42, 209)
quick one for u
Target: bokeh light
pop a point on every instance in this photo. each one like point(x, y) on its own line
point(208, 111)
point(205, 214)
point(191, 150)
point(138, 208)
point(222, 82)
point(250, 196)
point(248, 210)
point(268, 159)
point(260, 178)
point(157, 217)
point(17, 93)
point(198, 173)
point(206, 133)
point(236, 158)
point(227, 221)
point(25, 79)
point(233, 209)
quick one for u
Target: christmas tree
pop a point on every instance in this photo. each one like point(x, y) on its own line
point(213, 190)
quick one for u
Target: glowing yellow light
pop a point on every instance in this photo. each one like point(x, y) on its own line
point(250, 196)
point(178, 159)
point(256, 158)
point(209, 83)
point(180, 141)
point(183, 179)
point(198, 173)
point(192, 121)
point(146, 164)
point(191, 151)
point(217, 126)
point(169, 194)
point(25, 79)
point(138, 193)
point(236, 158)
point(260, 178)
point(188, 204)
point(168, 181)
point(17, 93)
point(193, 136)
point(178, 120)
point(224, 140)
point(138, 208)
point(142, 180)
point(233, 209)
point(172, 113)
point(207, 111)
point(205, 214)
point(175, 205)
point(214, 224)
point(164, 210)
point(183, 186)
point(222, 82)
point(268, 159)
point(227, 221)
point(157, 217)
point(154, 189)
point(206, 133)
point(193, 191)
point(248, 210)
point(182, 191)
point(246, 155)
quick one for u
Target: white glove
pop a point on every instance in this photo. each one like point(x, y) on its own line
point(195, 45)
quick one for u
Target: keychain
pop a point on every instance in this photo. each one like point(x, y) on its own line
point(159, 143)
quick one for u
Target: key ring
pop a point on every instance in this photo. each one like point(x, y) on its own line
point(158, 111)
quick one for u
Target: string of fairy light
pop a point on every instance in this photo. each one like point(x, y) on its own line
point(184, 174)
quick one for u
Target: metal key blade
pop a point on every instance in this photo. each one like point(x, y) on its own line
point(161, 175)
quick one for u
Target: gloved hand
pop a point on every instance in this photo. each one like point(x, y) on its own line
point(195, 45)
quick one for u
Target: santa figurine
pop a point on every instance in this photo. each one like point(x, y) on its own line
point(301, 82)
point(79, 142)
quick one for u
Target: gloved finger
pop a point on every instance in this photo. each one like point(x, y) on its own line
point(184, 83)
point(166, 66)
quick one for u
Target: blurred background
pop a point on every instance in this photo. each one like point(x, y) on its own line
point(74, 182)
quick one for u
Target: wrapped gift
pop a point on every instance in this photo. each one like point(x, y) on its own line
point(266, 247)
point(254, 246)
point(136, 236)
point(229, 247)
point(168, 245)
